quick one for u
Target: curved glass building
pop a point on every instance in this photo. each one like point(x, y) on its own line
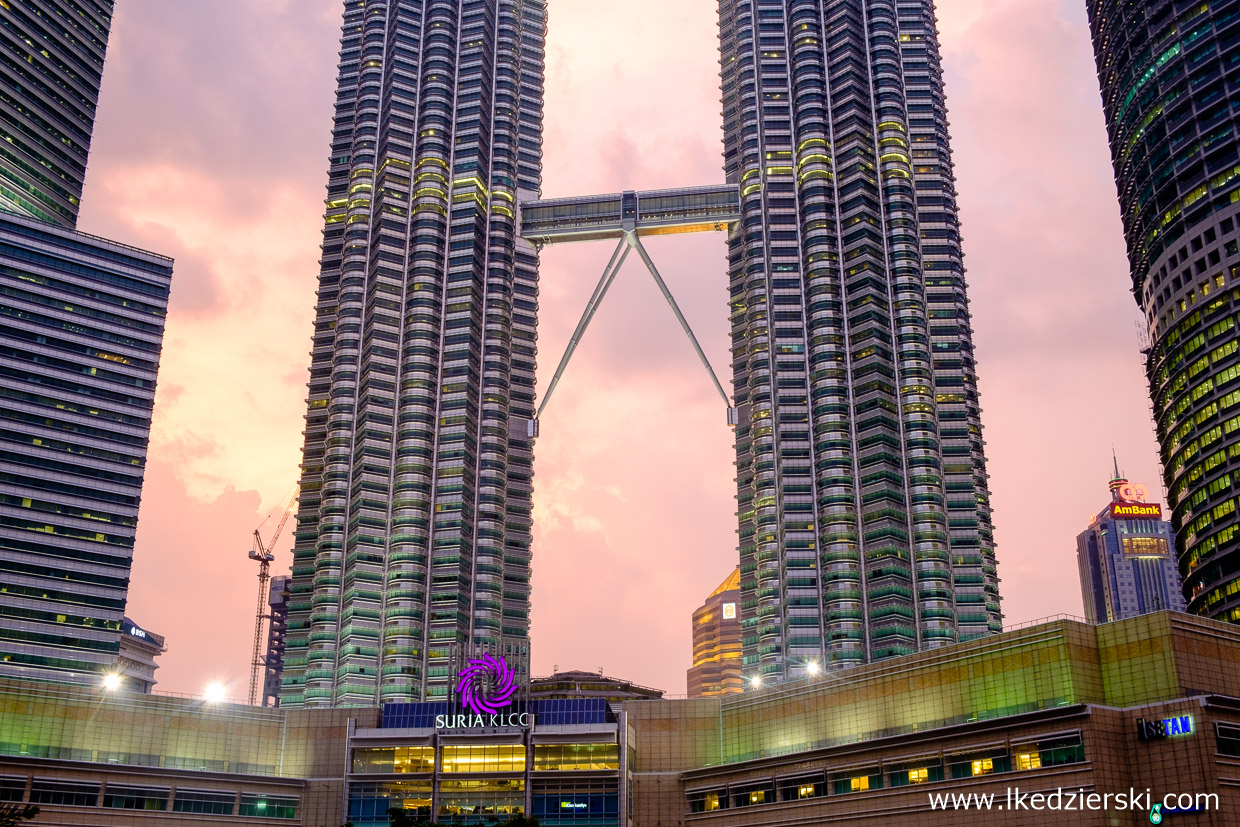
point(413, 530)
point(1170, 78)
point(863, 508)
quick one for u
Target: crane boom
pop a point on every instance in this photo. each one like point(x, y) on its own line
point(263, 554)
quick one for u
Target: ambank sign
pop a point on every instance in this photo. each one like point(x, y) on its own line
point(1136, 511)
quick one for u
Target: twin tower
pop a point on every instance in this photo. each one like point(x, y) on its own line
point(863, 513)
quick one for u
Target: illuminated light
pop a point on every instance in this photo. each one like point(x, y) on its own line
point(214, 693)
point(812, 667)
point(111, 681)
point(756, 681)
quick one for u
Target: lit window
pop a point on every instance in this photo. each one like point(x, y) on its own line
point(918, 776)
point(805, 791)
point(712, 801)
point(757, 796)
point(983, 766)
point(860, 784)
point(1029, 761)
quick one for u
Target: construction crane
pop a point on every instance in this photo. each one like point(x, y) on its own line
point(263, 554)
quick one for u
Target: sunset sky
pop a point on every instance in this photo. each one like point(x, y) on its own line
point(211, 146)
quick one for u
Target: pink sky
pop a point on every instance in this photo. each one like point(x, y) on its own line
point(211, 146)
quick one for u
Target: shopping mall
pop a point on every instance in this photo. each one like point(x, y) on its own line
point(1091, 711)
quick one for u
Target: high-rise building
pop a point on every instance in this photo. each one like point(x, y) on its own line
point(1168, 79)
point(413, 531)
point(81, 329)
point(277, 632)
point(135, 665)
point(717, 651)
point(1126, 558)
point(51, 65)
point(863, 507)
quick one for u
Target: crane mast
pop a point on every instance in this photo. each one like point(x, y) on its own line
point(263, 554)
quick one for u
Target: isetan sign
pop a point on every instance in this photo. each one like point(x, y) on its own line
point(1134, 511)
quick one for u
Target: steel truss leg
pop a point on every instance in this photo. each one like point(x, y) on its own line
point(667, 294)
point(600, 290)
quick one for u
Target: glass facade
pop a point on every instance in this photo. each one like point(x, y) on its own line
point(863, 508)
point(51, 65)
point(1169, 83)
point(81, 330)
point(412, 546)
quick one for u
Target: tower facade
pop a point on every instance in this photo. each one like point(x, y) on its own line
point(717, 651)
point(51, 65)
point(413, 530)
point(1166, 71)
point(863, 507)
point(1126, 558)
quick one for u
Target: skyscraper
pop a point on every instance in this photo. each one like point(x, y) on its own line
point(51, 65)
point(863, 508)
point(1168, 81)
point(717, 652)
point(81, 330)
point(413, 531)
point(1126, 558)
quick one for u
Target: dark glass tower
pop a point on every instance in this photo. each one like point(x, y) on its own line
point(51, 64)
point(863, 507)
point(1170, 86)
point(413, 530)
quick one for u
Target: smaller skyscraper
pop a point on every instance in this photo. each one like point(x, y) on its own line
point(273, 662)
point(136, 662)
point(717, 642)
point(1125, 558)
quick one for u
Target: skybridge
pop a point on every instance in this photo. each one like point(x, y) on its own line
point(628, 217)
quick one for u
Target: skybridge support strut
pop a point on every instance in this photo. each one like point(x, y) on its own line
point(629, 241)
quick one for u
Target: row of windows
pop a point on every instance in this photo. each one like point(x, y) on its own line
point(933, 768)
point(132, 797)
point(509, 758)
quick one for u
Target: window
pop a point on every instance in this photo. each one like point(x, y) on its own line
point(488, 758)
point(753, 794)
point(12, 788)
point(397, 760)
point(971, 764)
point(268, 806)
point(1228, 739)
point(856, 781)
point(706, 801)
point(576, 757)
point(919, 771)
point(204, 801)
point(122, 797)
point(63, 793)
point(805, 786)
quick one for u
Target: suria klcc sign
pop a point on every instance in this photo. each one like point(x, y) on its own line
point(1132, 504)
point(485, 688)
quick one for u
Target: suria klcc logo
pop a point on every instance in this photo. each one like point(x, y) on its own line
point(486, 685)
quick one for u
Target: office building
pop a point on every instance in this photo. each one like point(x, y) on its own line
point(51, 65)
point(277, 630)
point(412, 548)
point(1168, 80)
point(81, 328)
point(1140, 703)
point(135, 664)
point(1126, 558)
point(864, 515)
point(716, 668)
